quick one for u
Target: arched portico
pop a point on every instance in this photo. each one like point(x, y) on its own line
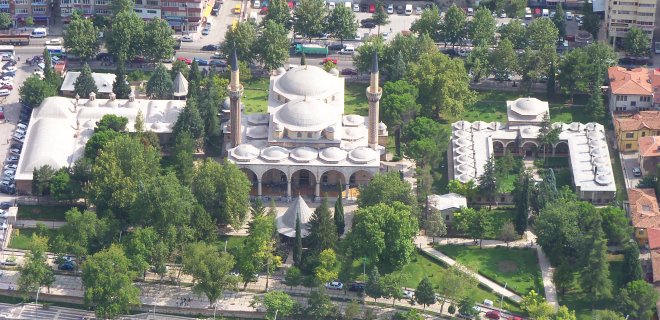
point(274, 183)
point(512, 147)
point(331, 182)
point(560, 149)
point(304, 182)
point(498, 147)
point(528, 149)
point(254, 180)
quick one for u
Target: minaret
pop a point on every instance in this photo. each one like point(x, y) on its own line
point(374, 92)
point(235, 92)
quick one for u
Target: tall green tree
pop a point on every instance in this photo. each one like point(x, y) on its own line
point(82, 38)
point(386, 188)
point(34, 91)
point(504, 60)
point(583, 68)
point(41, 179)
point(126, 35)
point(184, 147)
point(475, 223)
point(108, 281)
point(85, 84)
point(5, 20)
point(374, 286)
point(322, 230)
point(615, 225)
point(632, 268)
point(83, 232)
point(515, 32)
point(342, 23)
point(223, 190)
point(258, 251)
point(425, 295)
point(590, 21)
point(158, 41)
point(488, 181)
point(595, 277)
point(120, 87)
point(560, 21)
point(443, 84)
point(423, 141)
point(453, 25)
point(190, 120)
point(279, 12)
point(522, 193)
point(541, 33)
point(637, 43)
point(160, 84)
point(638, 299)
point(145, 249)
point(482, 28)
point(558, 231)
point(455, 285)
point(339, 213)
point(272, 46)
point(35, 271)
point(122, 6)
point(242, 38)
point(428, 23)
point(309, 17)
point(478, 64)
point(398, 106)
point(435, 224)
point(211, 269)
point(363, 59)
point(297, 245)
point(278, 303)
point(384, 234)
point(380, 17)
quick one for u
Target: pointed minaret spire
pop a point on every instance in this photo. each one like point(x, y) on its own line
point(235, 91)
point(374, 93)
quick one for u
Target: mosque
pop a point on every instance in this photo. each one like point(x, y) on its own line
point(305, 144)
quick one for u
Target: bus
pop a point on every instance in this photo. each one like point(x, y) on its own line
point(7, 50)
point(56, 51)
point(16, 39)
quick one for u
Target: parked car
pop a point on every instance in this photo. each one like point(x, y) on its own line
point(390, 8)
point(356, 287)
point(333, 60)
point(206, 31)
point(4, 92)
point(334, 285)
point(493, 314)
point(187, 38)
point(184, 59)
point(211, 47)
point(12, 158)
point(409, 294)
point(138, 59)
point(10, 166)
point(418, 10)
point(336, 47)
point(104, 56)
point(67, 266)
point(201, 62)
point(18, 137)
point(637, 172)
point(7, 86)
point(5, 205)
point(349, 72)
point(218, 55)
point(218, 63)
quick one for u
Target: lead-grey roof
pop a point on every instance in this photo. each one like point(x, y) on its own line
point(180, 86)
point(286, 223)
point(103, 81)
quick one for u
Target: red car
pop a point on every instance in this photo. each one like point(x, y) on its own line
point(333, 60)
point(184, 59)
point(8, 87)
point(493, 314)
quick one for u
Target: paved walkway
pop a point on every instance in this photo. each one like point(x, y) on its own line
point(33, 223)
point(528, 241)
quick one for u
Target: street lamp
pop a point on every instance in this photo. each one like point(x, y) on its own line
point(37, 300)
point(502, 300)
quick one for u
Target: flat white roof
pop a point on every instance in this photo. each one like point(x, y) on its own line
point(58, 131)
point(103, 81)
point(447, 201)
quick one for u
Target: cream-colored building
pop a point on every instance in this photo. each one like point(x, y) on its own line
point(630, 89)
point(622, 15)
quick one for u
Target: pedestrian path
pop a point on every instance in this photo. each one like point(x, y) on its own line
point(529, 241)
point(33, 224)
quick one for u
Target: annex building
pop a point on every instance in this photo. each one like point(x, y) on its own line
point(305, 144)
point(472, 144)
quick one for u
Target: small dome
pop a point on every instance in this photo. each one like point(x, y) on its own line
point(274, 153)
point(462, 125)
point(602, 169)
point(307, 81)
point(462, 150)
point(595, 135)
point(258, 118)
point(599, 161)
point(303, 154)
point(604, 179)
point(575, 126)
point(461, 134)
point(529, 106)
point(596, 143)
point(362, 155)
point(353, 120)
point(495, 125)
point(594, 126)
point(278, 127)
point(464, 168)
point(332, 154)
point(92, 103)
point(479, 125)
point(245, 152)
point(558, 125)
point(257, 132)
point(462, 159)
point(598, 152)
point(461, 141)
point(382, 126)
point(464, 178)
point(111, 103)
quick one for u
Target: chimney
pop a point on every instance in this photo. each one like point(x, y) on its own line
point(92, 96)
point(113, 96)
point(131, 97)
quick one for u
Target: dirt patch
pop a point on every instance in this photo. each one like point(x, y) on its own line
point(507, 266)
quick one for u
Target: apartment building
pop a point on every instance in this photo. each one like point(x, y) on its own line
point(20, 10)
point(182, 15)
point(621, 15)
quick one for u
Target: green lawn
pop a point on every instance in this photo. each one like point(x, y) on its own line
point(576, 300)
point(499, 216)
point(39, 212)
point(255, 97)
point(423, 266)
point(233, 242)
point(22, 240)
point(517, 268)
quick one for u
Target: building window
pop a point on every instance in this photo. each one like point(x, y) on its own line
point(152, 12)
point(38, 9)
point(102, 11)
point(309, 134)
point(633, 103)
point(645, 99)
point(502, 199)
point(628, 146)
point(138, 2)
point(101, 2)
point(21, 10)
point(299, 134)
point(643, 133)
point(152, 3)
point(630, 135)
point(20, 2)
point(620, 109)
point(447, 217)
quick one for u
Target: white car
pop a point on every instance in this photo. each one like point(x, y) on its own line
point(385, 35)
point(10, 69)
point(334, 285)
point(256, 4)
point(21, 126)
point(11, 166)
point(408, 294)
point(187, 38)
point(356, 7)
point(331, 5)
point(390, 9)
point(54, 42)
point(4, 92)
point(418, 10)
point(19, 131)
point(503, 15)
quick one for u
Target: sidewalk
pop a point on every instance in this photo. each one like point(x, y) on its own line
point(528, 241)
point(33, 224)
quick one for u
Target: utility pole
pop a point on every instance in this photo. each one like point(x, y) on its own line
point(502, 300)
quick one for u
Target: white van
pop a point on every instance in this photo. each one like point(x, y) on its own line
point(528, 13)
point(356, 7)
point(569, 15)
point(545, 13)
point(348, 50)
point(348, 4)
point(409, 9)
point(39, 33)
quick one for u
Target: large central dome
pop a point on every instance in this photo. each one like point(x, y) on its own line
point(305, 115)
point(308, 81)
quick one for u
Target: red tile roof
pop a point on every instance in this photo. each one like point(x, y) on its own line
point(644, 211)
point(638, 120)
point(654, 238)
point(655, 264)
point(656, 85)
point(648, 146)
point(634, 81)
